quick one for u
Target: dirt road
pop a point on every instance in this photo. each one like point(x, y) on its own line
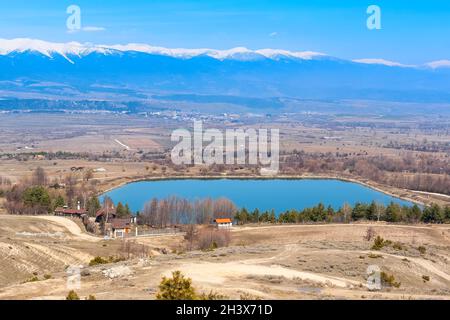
point(73, 228)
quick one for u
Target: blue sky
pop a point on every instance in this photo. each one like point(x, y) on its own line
point(412, 31)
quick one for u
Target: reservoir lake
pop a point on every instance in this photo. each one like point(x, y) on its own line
point(264, 194)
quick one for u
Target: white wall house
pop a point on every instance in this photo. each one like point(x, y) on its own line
point(224, 223)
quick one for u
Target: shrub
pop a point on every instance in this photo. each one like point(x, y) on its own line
point(389, 280)
point(32, 279)
point(47, 276)
point(91, 297)
point(249, 296)
point(176, 288)
point(72, 295)
point(211, 239)
point(212, 295)
point(116, 259)
point(422, 249)
point(370, 233)
point(378, 243)
point(425, 278)
point(131, 249)
point(398, 246)
point(98, 260)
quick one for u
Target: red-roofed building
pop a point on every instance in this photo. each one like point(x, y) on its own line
point(101, 214)
point(223, 223)
point(70, 212)
point(120, 227)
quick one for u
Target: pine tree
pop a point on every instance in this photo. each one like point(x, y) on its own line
point(272, 217)
point(120, 210)
point(128, 210)
point(93, 205)
point(58, 202)
point(176, 288)
point(433, 214)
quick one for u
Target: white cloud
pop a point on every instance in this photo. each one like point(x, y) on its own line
point(439, 64)
point(273, 34)
point(383, 62)
point(93, 29)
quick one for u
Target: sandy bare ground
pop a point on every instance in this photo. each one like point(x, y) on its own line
point(270, 262)
point(73, 228)
point(41, 245)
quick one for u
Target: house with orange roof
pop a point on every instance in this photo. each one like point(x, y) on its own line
point(223, 223)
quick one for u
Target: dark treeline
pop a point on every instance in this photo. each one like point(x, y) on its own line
point(173, 211)
point(361, 211)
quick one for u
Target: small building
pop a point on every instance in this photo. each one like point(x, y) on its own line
point(65, 212)
point(120, 227)
point(223, 223)
point(102, 213)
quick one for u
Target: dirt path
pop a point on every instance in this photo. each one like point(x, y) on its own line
point(71, 226)
point(341, 225)
point(425, 264)
point(218, 273)
point(354, 294)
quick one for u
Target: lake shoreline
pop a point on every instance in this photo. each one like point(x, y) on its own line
point(258, 177)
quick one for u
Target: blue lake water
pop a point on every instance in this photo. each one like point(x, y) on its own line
point(277, 194)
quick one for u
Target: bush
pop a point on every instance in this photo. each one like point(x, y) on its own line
point(370, 233)
point(47, 276)
point(426, 278)
point(398, 246)
point(131, 249)
point(389, 280)
point(72, 296)
point(212, 295)
point(249, 296)
point(32, 279)
point(422, 249)
point(99, 260)
point(378, 243)
point(91, 297)
point(176, 288)
point(211, 239)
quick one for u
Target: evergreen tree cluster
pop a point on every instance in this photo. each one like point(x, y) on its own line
point(393, 212)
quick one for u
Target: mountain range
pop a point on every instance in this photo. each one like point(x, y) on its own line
point(39, 69)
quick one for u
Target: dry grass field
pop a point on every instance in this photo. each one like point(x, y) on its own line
point(269, 262)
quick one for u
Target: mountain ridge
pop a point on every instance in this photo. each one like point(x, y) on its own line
point(8, 46)
point(36, 70)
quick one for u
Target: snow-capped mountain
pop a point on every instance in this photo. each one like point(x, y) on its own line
point(33, 67)
point(50, 49)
